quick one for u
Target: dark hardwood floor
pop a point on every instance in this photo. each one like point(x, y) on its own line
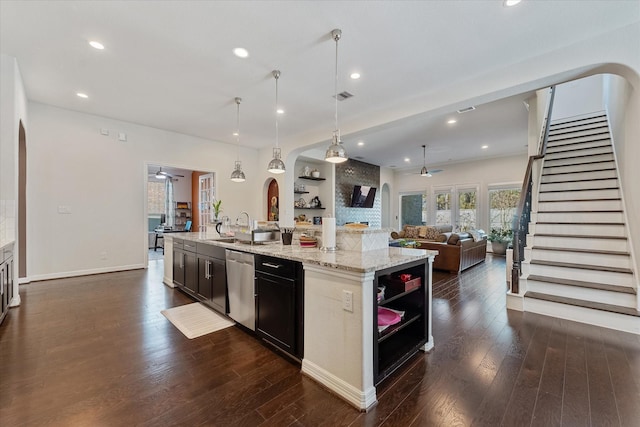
point(95, 351)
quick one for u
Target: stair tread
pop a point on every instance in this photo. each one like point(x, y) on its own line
point(606, 199)
point(574, 164)
point(582, 284)
point(579, 223)
point(586, 171)
point(588, 251)
point(578, 180)
point(574, 149)
point(578, 212)
point(565, 120)
point(584, 303)
point(577, 189)
point(582, 266)
point(580, 236)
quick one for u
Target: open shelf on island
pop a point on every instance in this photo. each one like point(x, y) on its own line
point(409, 318)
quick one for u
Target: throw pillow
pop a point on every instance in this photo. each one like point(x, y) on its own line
point(422, 232)
point(410, 232)
point(442, 238)
point(453, 239)
point(432, 233)
point(475, 234)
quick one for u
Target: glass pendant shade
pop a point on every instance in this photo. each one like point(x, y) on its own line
point(425, 172)
point(276, 165)
point(237, 175)
point(336, 152)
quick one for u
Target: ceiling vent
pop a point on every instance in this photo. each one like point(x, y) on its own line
point(343, 95)
point(466, 110)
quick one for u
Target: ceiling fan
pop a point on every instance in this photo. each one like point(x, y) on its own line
point(424, 171)
point(164, 175)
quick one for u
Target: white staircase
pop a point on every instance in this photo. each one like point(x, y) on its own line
point(578, 263)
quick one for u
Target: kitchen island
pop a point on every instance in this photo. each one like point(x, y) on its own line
point(343, 349)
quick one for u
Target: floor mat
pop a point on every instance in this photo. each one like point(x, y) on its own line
point(195, 320)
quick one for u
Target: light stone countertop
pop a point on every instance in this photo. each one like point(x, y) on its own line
point(359, 262)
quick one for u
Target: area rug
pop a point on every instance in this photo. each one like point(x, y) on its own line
point(195, 320)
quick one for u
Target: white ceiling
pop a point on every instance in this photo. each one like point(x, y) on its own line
point(169, 65)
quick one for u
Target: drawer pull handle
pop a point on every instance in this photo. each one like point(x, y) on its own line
point(268, 264)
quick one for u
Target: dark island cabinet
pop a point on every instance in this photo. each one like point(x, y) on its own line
point(6, 280)
point(185, 266)
point(280, 304)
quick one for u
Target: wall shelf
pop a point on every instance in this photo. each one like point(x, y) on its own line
point(300, 192)
point(310, 178)
point(312, 209)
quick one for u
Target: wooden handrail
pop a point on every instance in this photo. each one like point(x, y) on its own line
point(523, 213)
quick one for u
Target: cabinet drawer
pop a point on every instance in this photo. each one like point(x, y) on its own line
point(178, 244)
point(210, 250)
point(189, 246)
point(277, 266)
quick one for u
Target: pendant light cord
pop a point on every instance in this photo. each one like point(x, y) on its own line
point(336, 37)
point(238, 100)
point(276, 74)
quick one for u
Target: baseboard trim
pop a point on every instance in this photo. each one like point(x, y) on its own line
point(619, 322)
point(76, 273)
point(168, 281)
point(363, 400)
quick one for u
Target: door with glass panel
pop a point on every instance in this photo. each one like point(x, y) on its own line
point(456, 206)
point(206, 196)
point(413, 209)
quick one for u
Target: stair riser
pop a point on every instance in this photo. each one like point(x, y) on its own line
point(588, 167)
point(579, 125)
point(578, 160)
point(586, 119)
point(577, 133)
point(581, 152)
point(589, 316)
point(600, 217)
point(587, 294)
point(580, 195)
point(585, 258)
point(578, 243)
point(586, 175)
point(580, 185)
point(594, 276)
point(605, 230)
point(584, 205)
point(558, 141)
point(582, 145)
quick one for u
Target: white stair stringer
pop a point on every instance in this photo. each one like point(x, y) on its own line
point(577, 262)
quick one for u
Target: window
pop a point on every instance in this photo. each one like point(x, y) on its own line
point(155, 203)
point(502, 207)
point(443, 207)
point(467, 209)
point(413, 209)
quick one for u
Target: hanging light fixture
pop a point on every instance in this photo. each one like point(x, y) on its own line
point(276, 165)
point(237, 175)
point(424, 171)
point(335, 152)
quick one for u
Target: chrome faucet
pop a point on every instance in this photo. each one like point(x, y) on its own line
point(248, 220)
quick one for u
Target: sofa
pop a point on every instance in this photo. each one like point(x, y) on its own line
point(456, 251)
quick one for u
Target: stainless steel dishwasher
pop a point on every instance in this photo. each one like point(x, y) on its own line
point(241, 288)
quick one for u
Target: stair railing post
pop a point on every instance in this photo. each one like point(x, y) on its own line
point(515, 270)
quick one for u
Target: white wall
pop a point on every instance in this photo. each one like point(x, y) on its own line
point(578, 97)
point(481, 173)
point(102, 182)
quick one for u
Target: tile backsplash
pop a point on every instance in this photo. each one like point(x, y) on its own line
point(351, 173)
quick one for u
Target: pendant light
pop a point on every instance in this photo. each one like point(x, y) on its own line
point(276, 165)
point(424, 171)
point(336, 152)
point(237, 175)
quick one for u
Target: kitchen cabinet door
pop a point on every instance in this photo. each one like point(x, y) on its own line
point(205, 270)
point(191, 271)
point(219, 285)
point(275, 311)
point(178, 267)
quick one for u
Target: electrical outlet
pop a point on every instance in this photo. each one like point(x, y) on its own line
point(347, 301)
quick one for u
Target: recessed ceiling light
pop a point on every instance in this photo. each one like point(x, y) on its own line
point(360, 143)
point(406, 159)
point(280, 111)
point(355, 76)
point(509, 3)
point(82, 95)
point(451, 121)
point(484, 147)
point(236, 134)
point(241, 52)
point(96, 45)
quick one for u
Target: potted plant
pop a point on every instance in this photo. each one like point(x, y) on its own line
point(500, 239)
point(217, 209)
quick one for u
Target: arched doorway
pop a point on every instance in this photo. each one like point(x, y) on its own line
point(273, 201)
